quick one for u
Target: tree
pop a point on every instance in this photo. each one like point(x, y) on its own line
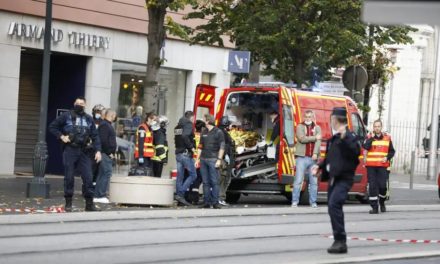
point(377, 61)
point(291, 37)
point(158, 25)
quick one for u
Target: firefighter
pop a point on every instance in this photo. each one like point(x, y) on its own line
point(379, 149)
point(160, 145)
point(338, 168)
point(144, 149)
point(225, 172)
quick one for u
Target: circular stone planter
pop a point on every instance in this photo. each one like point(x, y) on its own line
point(142, 190)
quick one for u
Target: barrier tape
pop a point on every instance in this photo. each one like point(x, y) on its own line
point(52, 209)
point(401, 241)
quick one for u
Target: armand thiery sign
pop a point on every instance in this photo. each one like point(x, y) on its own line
point(75, 38)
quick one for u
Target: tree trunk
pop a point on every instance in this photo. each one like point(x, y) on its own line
point(254, 73)
point(156, 37)
point(370, 74)
point(299, 72)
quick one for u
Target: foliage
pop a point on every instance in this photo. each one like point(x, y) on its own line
point(291, 37)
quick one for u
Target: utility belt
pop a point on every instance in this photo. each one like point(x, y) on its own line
point(186, 152)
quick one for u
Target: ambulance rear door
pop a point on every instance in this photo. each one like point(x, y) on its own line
point(287, 137)
point(204, 101)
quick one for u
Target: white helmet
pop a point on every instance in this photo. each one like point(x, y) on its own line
point(163, 121)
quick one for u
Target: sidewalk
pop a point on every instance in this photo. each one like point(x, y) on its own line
point(402, 181)
point(13, 196)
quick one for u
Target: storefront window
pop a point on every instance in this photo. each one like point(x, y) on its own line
point(130, 97)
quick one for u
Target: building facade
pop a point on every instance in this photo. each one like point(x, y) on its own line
point(408, 100)
point(99, 50)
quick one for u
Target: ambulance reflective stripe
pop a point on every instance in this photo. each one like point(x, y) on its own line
point(148, 142)
point(218, 108)
point(378, 151)
point(287, 161)
point(207, 99)
point(202, 95)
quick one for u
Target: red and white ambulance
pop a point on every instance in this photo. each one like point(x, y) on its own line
point(248, 108)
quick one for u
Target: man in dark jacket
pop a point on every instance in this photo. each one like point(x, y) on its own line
point(338, 167)
point(107, 135)
point(185, 147)
point(211, 150)
point(74, 128)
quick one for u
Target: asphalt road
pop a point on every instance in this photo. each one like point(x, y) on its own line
point(238, 235)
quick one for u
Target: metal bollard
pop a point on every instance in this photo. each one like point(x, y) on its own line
point(411, 175)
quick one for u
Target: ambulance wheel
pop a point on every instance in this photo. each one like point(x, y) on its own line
point(304, 197)
point(232, 198)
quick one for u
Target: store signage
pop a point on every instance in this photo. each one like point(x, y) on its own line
point(239, 61)
point(77, 39)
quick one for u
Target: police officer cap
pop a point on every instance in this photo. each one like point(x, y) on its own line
point(339, 111)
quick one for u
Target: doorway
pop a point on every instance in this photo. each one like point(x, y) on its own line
point(67, 81)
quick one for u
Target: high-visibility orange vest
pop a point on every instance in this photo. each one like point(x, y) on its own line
point(378, 151)
point(148, 142)
point(196, 153)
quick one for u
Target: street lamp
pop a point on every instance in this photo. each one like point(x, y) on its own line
point(38, 187)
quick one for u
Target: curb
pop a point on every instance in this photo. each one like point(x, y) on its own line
point(192, 213)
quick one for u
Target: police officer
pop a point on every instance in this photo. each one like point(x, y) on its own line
point(74, 128)
point(97, 114)
point(338, 168)
point(185, 147)
point(144, 148)
point(225, 171)
point(380, 151)
point(160, 145)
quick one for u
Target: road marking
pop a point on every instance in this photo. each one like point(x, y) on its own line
point(400, 241)
point(52, 209)
point(416, 186)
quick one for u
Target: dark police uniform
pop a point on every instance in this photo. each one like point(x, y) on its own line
point(80, 128)
point(338, 167)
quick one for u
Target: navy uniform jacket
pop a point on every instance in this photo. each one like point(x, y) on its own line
point(63, 125)
point(342, 157)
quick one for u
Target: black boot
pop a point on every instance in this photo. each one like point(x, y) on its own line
point(90, 206)
point(383, 209)
point(68, 206)
point(338, 247)
point(375, 210)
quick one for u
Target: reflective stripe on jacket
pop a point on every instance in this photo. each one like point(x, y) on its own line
point(148, 148)
point(379, 150)
point(196, 153)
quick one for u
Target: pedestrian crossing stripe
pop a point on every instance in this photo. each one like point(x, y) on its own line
point(400, 241)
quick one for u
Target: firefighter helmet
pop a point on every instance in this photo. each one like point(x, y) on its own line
point(163, 121)
point(98, 108)
point(224, 121)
